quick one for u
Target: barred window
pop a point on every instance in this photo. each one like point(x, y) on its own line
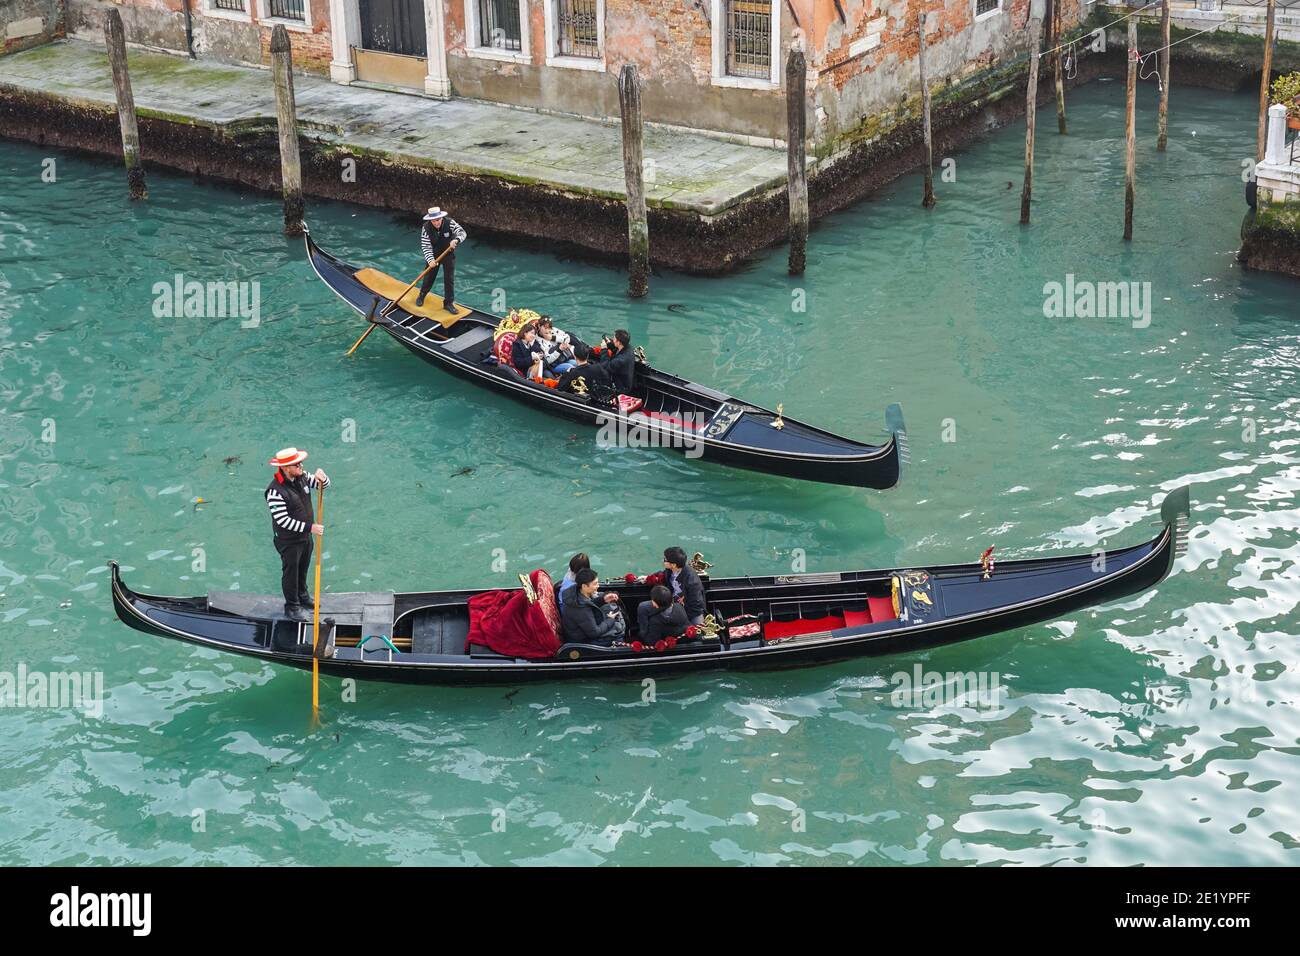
point(576, 28)
point(749, 38)
point(498, 24)
point(286, 9)
point(986, 6)
point(228, 5)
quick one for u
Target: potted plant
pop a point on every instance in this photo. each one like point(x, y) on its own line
point(1286, 90)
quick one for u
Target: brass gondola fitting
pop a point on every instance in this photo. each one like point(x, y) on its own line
point(639, 353)
point(778, 423)
point(699, 564)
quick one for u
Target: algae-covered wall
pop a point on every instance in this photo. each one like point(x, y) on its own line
point(28, 23)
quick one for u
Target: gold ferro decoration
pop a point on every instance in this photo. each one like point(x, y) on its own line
point(778, 423)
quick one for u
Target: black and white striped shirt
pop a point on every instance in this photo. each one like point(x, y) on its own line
point(449, 230)
point(275, 500)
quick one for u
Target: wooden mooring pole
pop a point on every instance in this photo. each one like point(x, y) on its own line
point(115, 39)
point(1031, 109)
point(286, 116)
point(928, 199)
point(1162, 140)
point(638, 229)
point(1057, 72)
point(796, 81)
point(1130, 129)
point(1264, 81)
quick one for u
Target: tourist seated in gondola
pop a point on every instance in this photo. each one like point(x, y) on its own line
point(526, 354)
point(576, 564)
point(618, 358)
point(557, 347)
point(589, 617)
point(685, 584)
point(660, 616)
point(586, 377)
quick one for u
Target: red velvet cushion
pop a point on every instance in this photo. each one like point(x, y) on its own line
point(545, 590)
point(856, 618)
point(803, 626)
point(882, 609)
point(501, 349)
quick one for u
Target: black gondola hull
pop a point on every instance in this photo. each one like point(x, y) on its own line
point(1019, 594)
point(799, 451)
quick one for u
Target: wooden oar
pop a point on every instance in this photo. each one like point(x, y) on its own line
point(370, 317)
point(315, 615)
point(427, 269)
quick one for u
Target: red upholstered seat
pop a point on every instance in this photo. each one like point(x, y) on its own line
point(545, 590)
point(810, 625)
point(856, 618)
point(511, 624)
point(882, 609)
point(627, 404)
point(671, 419)
point(501, 349)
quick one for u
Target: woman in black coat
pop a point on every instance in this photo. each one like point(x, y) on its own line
point(526, 353)
point(586, 617)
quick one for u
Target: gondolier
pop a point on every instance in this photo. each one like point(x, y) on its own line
point(439, 234)
point(289, 498)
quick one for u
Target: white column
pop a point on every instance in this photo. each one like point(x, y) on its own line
point(436, 81)
point(1275, 150)
point(345, 33)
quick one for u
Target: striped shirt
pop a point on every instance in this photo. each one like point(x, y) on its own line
point(280, 508)
point(450, 229)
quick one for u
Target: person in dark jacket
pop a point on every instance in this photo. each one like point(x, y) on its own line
point(619, 360)
point(526, 353)
point(585, 378)
point(685, 584)
point(289, 498)
point(586, 615)
point(660, 616)
point(439, 234)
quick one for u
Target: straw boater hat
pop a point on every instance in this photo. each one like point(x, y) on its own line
point(287, 456)
point(435, 212)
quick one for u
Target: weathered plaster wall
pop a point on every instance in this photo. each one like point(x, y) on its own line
point(28, 23)
point(670, 41)
point(866, 64)
point(861, 59)
point(160, 25)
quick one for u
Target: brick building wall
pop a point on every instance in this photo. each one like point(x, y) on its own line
point(230, 36)
point(861, 53)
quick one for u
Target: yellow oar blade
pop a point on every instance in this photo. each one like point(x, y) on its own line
point(315, 614)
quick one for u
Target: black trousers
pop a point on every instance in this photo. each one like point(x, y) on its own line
point(295, 559)
point(448, 267)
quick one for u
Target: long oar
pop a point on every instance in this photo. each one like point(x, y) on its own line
point(427, 269)
point(315, 616)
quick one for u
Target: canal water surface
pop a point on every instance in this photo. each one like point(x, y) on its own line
point(1160, 730)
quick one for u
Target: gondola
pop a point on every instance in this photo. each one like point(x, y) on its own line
point(664, 411)
point(755, 623)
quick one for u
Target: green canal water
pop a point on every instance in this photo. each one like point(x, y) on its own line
point(1160, 730)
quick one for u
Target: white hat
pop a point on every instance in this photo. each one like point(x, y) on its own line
point(286, 457)
point(435, 212)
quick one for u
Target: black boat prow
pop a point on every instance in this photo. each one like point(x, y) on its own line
point(753, 622)
point(670, 411)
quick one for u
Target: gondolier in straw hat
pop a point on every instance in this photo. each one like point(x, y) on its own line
point(439, 234)
point(289, 498)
